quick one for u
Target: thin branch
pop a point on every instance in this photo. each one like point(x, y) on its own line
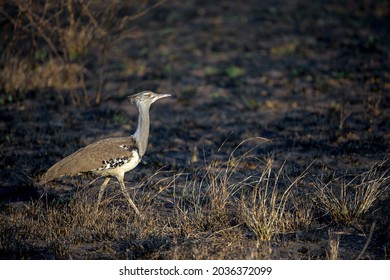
point(367, 242)
point(140, 14)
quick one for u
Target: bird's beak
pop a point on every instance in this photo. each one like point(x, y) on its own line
point(166, 95)
point(163, 95)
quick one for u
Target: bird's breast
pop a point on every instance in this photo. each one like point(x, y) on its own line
point(119, 165)
point(131, 163)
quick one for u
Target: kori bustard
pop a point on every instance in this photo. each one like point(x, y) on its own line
point(111, 157)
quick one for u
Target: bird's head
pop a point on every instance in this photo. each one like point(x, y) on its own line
point(146, 97)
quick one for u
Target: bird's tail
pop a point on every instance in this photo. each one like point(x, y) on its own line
point(51, 174)
point(46, 177)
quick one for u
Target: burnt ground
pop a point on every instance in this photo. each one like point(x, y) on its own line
point(312, 78)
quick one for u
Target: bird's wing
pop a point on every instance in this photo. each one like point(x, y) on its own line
point(92, 157)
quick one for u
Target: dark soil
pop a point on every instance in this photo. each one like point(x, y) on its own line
point(313, 78)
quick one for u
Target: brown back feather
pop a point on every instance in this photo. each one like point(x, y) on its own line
point(91, 157)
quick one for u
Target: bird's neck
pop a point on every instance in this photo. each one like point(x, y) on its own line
point(142, 133)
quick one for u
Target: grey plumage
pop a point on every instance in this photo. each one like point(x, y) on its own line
point(111, 156)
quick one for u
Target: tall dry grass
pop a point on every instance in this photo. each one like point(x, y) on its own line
point(349, 201)
point(219, 199)
point(271, 208)
point(238, 206)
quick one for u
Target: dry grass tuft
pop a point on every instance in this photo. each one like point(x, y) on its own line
point(270, 208)
point(19, 75)
point(348, 201)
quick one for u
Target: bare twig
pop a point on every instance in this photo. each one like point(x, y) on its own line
point(367, 241)
point(140, 14)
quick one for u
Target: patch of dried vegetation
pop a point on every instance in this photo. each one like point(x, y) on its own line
point(62, 45)
point(213, 212)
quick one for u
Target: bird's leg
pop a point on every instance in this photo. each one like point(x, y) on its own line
point(102, 188)
point(126, 194)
